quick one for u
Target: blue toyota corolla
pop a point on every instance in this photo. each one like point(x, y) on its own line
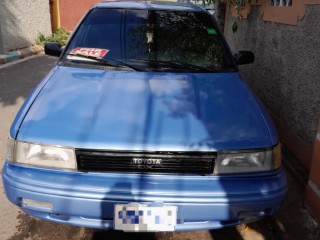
point(144, 124)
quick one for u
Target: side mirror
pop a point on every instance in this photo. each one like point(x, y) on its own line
point(244, 57)
point(53, 49)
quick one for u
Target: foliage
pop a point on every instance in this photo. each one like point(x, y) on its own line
point(238, 4)
point(60, 35)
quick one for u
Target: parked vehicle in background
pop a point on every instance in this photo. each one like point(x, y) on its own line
point(145, 124)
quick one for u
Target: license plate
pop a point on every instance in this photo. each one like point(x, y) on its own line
point(135, 217)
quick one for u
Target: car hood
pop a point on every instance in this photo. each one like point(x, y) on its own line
point(98, 109)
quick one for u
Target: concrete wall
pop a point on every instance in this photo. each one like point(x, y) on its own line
point(286, 73)
point(22, 20)
point(1, 41)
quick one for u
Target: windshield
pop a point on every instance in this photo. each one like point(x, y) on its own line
point(153, 40)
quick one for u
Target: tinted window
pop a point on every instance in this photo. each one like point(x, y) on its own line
point(168, 36)
point(101, 29)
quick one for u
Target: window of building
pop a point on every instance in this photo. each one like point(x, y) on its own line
point(281, 3)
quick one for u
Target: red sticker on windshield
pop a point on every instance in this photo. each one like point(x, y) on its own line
point(95, 52)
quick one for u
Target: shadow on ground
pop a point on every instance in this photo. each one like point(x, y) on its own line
point(19, 82)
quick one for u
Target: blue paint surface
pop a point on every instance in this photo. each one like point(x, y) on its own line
point(203, 202)
point(119, 110)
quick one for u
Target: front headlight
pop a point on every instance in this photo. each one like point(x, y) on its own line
point(43, 155)
point(248, 161)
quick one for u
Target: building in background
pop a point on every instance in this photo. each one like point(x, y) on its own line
point(21, 22)
point(285, 37)
point(67, 13)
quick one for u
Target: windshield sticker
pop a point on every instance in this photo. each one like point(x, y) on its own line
point(211, 31)
point(94, 52)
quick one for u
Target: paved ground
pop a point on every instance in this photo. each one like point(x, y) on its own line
point(16, 81)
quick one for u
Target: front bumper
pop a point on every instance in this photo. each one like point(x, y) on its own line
point(88, 199)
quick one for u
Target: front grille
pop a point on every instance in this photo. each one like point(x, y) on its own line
point(152, 162)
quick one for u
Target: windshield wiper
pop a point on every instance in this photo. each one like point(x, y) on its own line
point(197, 67)
point(108, 61)
point(175, 64)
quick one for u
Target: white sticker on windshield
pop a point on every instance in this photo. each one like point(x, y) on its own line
point(94, 52)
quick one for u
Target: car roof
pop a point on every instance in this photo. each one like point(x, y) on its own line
point(150, 5)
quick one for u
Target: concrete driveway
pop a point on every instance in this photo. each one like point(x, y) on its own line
point(17, 80)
